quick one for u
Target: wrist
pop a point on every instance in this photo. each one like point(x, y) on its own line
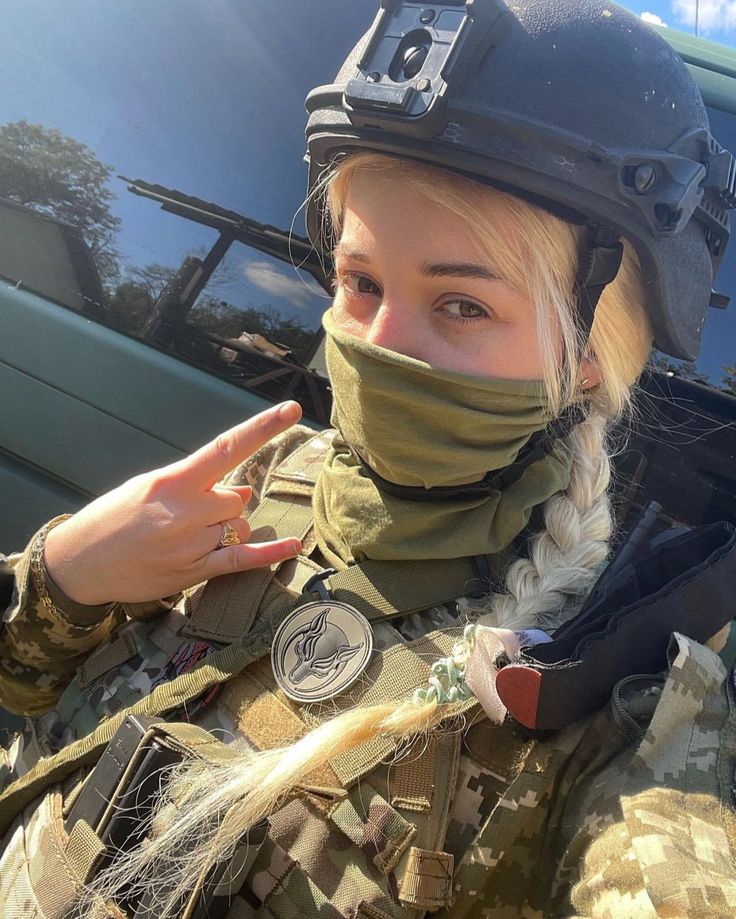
point(56, 563)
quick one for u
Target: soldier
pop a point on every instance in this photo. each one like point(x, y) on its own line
point(358, 622)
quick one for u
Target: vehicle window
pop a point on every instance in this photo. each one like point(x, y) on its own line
point(124, 126)
point(206, 120)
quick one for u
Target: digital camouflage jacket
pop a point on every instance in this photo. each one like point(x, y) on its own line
point(627, 813)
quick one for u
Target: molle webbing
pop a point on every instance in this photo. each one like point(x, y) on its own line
point(392, 674)
point(217, 668)
point(378, 589)
point(413, 780)
point(262, 715)
point(60, 866)
point(383, 589)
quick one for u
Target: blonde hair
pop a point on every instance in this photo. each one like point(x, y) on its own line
point(537, 253)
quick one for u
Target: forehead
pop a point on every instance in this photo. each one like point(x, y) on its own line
point(386, 210)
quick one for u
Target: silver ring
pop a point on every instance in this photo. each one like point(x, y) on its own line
point(229, 536)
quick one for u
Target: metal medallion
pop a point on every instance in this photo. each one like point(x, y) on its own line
point(320, 650)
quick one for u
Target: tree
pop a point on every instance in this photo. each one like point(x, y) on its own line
point(152, 278)
point(62, 178)
point(729, 379)
point(683, 370)
point(130, 306)
point(228, 321)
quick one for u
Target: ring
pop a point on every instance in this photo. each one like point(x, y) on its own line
point(229, 536)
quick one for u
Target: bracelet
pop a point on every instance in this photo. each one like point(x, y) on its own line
point(41, 578)
point(37, 566)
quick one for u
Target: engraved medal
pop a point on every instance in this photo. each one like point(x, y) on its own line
point(320, 650)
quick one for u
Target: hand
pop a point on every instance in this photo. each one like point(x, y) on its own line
point(159, 532)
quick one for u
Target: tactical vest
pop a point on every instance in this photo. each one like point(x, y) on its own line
point(362, 838)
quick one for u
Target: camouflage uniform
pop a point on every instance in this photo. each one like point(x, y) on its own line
point(627, 813)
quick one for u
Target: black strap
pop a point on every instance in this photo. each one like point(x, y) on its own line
point(600, 259)
point(686, 585)
point(538, 446)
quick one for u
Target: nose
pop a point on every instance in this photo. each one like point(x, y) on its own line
point(392, 328)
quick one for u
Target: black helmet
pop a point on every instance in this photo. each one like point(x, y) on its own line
point(576, 105)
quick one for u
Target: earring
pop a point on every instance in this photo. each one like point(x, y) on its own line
point(583, 383)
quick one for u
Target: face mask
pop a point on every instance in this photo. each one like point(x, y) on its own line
point(417, 426)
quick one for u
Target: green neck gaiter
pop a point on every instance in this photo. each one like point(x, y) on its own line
point(416, 425)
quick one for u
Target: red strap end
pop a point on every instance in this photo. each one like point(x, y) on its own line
point(518, 688)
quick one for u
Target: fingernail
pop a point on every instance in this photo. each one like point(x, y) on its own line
point(289, 409)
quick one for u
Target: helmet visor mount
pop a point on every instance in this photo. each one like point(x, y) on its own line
point(406, 95)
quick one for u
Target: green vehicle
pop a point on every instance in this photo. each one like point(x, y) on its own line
point(141, 316)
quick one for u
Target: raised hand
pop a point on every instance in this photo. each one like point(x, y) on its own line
point(159, 532)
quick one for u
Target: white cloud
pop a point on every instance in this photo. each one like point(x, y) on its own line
point(653, 18)
point(269, 278)
point(713, 15)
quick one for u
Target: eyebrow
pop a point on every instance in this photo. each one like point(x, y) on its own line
point(439, 270)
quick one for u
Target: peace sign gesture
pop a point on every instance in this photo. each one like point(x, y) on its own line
point(161, 532)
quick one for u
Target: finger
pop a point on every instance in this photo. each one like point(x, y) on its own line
point(222, 504)
point(216, 532)
point(249, 556)
point(244, 492)
point(206, 466)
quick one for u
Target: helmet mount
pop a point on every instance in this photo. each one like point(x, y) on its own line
point(513, 96)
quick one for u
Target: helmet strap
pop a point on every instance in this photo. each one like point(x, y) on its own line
point(600, 259)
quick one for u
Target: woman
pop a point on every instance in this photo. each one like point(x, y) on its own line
point(479, 346)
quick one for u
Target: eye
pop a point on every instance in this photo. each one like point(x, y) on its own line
point(465, 311)
point(357, 285)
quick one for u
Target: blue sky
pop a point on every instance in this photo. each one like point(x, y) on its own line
point(716, 18)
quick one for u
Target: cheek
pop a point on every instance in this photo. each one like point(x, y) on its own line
point(510, 350)
point(346, 319)
point(509, 357)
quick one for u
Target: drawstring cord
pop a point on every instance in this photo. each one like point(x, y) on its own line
point(447, 680)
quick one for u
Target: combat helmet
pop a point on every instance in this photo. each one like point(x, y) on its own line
point(575, 105)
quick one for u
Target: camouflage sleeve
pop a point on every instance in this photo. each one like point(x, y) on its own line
point(656, 836)
point(44, 635)
point(256, 471)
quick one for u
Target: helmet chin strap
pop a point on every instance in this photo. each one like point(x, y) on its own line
point(600, 260)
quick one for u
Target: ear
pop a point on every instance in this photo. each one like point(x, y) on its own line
point(589, 374)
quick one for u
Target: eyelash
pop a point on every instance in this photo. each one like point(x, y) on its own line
point(338, 282)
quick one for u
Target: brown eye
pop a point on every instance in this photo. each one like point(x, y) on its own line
point(358, 285)
point(461, 310)
point(469, 310)
point(365, 285)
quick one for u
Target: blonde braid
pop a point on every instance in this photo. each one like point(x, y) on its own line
point(564, 558)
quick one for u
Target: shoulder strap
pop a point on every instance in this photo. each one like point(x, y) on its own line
point(228, 605)
point(377, 589)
